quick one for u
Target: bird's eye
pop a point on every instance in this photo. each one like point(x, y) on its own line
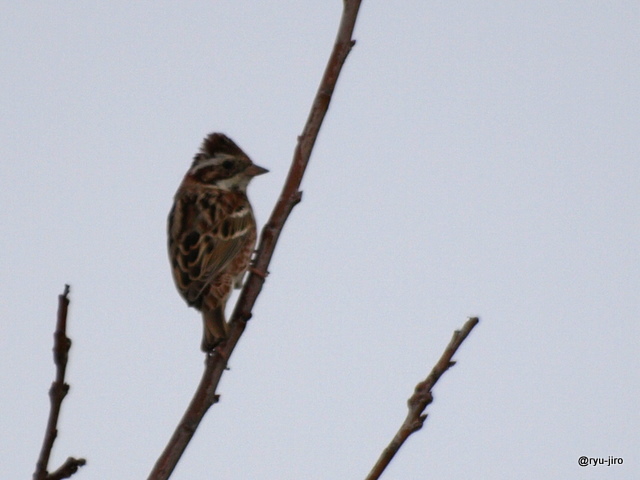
point(227, 164)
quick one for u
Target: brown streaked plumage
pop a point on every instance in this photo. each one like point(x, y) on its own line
point(212, 231)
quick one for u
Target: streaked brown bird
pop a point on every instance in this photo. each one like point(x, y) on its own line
point(212, 231)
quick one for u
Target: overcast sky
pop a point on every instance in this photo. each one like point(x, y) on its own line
point(476, 160)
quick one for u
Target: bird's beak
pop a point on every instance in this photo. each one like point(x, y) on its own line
point(255, 170)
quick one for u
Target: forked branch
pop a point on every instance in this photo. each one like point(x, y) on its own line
point(57, 392)
point(215, 363)
point(420, 399)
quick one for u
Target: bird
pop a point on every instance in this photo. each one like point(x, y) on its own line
point(212, 231)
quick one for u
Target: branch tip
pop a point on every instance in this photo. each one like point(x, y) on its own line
point(57, 392)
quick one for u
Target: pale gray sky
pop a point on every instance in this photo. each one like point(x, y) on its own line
point(476, 160)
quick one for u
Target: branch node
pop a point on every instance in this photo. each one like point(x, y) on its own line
point(58, 390)
point(68, 468)
point(325, 92)
point(262, 275)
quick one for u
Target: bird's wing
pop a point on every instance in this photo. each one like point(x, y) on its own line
point(204, 249)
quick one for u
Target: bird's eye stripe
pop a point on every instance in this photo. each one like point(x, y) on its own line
point(203, 164)
point(226, 161)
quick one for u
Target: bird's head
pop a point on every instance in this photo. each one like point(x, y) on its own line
point(222, 164)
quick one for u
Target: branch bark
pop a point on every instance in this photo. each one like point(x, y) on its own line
point(420, 399)
point(215, 363)
point(57, 393)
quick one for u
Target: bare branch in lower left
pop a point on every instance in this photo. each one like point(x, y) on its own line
point(57, 392)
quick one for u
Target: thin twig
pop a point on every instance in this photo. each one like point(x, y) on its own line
point(57, 392)
point(420, 399)
point(215, 364)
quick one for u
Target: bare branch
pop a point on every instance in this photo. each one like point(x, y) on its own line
point(290, 196)
point(420, 399)
point(57, 392)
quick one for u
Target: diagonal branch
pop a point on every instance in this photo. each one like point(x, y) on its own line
point(291, 195)
point(215, 363)
point(420, 399)
point(57, 392)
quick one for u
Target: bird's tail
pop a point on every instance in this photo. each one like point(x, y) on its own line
point(215, 328)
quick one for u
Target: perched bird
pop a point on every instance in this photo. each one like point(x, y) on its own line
point(212, 231)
